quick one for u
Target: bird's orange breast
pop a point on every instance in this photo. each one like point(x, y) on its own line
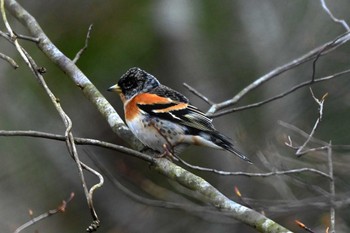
point(132, 110)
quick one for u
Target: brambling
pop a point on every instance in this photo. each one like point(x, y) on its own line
point(163, 119)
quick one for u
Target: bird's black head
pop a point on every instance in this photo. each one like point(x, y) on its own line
point(135, 81)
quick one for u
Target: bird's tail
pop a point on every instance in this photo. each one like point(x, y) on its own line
point(225, 143)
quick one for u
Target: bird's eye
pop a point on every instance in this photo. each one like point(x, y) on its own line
point(129, 84)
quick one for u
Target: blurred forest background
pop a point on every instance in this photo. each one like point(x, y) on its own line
point(217, 47)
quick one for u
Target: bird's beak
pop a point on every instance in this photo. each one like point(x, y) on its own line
point(115, 88)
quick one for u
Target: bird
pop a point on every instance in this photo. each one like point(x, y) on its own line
point(163, 119)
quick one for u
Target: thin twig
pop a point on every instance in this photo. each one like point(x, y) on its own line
point(94, 142)
point(197, 93)
point(9, 60)
point(340, 21)
point(24, 37)
point(325, 48)
point(79, 141)
point(4, 34)
point(304, 134)
point(305, 151)
point(300, 150)
point(28, 38)
point(279, 96)
point(301, 132)
point(60, 209)
point(313, 76)
point(66, 120)
point(80, 52)
point(12, 35)
point(8, 36)
point(74, 153)
point(273, 173)
point(331, 188)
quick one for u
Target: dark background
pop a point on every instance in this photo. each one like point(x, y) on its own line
point(218, 47)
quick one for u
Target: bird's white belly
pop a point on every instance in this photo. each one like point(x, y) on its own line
point(156, 133)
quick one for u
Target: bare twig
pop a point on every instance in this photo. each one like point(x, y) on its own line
point(23, 37)
point(279, 96)
point(300, 150)
point(305, 151)
point(331, 188)
point(88, 141)
point(73, 151)
point(267, 174)
point(340, 21)
point(80, 52)
point(4, 34)
point(79, 141)
point(9, 60)
point(66, 120)
point(320, 51)
point(60, 209)
point(313, 76)
point(304, 134)
point(301, 132)
point(11, 33)
point(28, 38)
point(8, 37)
point(94, 142)
point(214, 197)
point(197, 93)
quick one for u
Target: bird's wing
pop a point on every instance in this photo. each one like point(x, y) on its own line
point(171, 105)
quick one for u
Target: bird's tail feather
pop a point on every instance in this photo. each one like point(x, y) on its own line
point(225, 143)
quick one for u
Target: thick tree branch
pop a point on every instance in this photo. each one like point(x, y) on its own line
point(217, 199)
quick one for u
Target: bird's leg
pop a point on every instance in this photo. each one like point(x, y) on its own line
point(168, 152)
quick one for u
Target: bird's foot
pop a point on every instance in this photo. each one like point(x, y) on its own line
point(167, 153)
